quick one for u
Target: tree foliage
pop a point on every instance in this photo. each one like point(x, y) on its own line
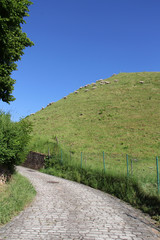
point(14, 138)
point(12, 42)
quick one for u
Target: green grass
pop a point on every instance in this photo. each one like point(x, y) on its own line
point(121, 117)
point(118, 118)
point(126, 188)
point(14, 197)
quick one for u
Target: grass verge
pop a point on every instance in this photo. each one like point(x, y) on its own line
point(123, 187)
point(14, 197)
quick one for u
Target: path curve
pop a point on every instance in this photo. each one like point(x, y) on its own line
point(67, 210)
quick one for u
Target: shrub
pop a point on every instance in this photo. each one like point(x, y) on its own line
point(14, 137)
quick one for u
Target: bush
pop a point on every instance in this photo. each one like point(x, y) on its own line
point(14, 137)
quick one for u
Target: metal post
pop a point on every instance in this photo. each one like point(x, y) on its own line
point(81, 159)
point(61, 157)
point(48, 153)
point(127, 165)
point(104, 163)
point(157, 174)
point(131, 167)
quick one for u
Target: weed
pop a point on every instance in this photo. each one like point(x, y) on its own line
point(14, 196)
point(129, 189)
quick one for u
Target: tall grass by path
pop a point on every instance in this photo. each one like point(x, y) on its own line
point(135, 190)
point(14, 197)
point(144, 170)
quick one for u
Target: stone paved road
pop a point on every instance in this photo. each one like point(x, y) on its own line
point(67, 210)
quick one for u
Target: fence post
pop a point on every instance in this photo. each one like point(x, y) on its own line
point(104, 162)
point(127, 165)
point(48, 153)
point(61, 157)
point(81, 159)
point(157, 174)
point(131, 167)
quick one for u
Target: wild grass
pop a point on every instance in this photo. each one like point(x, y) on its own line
point(137, 191)
point(14, 196)
point(42, 144)
point(120, 117)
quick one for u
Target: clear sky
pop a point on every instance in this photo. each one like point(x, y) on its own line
point(80, 41)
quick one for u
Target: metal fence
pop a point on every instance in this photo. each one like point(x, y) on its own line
point(145, 171)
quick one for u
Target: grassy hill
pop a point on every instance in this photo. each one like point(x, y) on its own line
point(119, 115)
point(122, 116)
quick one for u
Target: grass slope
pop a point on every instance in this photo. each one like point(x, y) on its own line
point(118, 118)
point(121, 117)
point(14, 196)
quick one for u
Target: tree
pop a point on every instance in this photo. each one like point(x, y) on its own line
point(14, 138)
point(12, 42)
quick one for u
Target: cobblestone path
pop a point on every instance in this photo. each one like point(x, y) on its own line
point(67, 210)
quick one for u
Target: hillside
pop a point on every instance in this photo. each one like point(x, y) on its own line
point(119, 114)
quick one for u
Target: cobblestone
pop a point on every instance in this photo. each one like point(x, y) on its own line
point(65, 210)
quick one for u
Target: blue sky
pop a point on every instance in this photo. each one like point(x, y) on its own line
point(80, 41)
